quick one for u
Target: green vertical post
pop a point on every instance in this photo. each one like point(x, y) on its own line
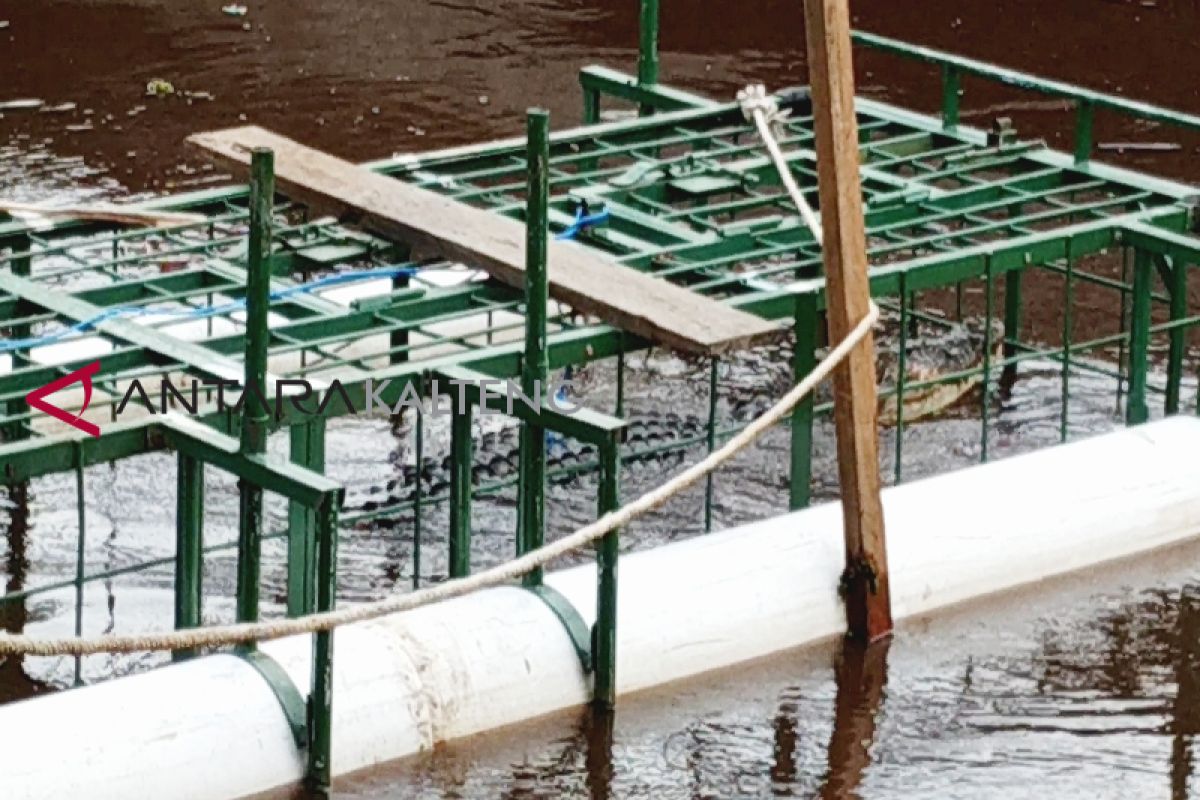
point(255, 415)
point(591, 106)
point(710, 438)
point(1123, 324)
point(804, 360)
point(418, 496)
point(619, 409)
point(80, 552)
point(1178, 335)
point(22, 267)
point(320, 699)
point(985, 390)
point(536, 365)
point(1067, 335)
point(189, 545)
point(1085, 113)
point(398, 340)
point(461, 456)
point(647, 70)
point(307, 442)
point(604, 635)
point(951, 94)
point(1136, 410)
point(1012, 323)
point(901, 375)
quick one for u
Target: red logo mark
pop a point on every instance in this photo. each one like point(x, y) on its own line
point(84, 375)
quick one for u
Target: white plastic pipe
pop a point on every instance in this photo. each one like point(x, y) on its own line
point(211, 728)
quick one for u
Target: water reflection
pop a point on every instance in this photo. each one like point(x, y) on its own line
point(861, 678)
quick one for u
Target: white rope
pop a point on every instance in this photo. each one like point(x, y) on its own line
point(763, 110)
point(243, 633)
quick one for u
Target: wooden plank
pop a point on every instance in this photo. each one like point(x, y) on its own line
point(633, 301)
point(831, 75)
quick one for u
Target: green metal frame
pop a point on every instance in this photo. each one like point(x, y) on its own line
point(691, 198)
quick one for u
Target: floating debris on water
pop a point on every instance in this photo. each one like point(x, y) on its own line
point(21, 105)
point(61, 107)
point(1146, 147)
point(159, 88)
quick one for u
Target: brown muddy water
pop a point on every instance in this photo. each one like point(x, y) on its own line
point(1084, 689)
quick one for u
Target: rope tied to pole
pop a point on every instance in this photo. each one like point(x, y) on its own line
point(763, 110)
point(244, 633)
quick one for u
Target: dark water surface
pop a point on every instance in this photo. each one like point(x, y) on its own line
point(1077, 691)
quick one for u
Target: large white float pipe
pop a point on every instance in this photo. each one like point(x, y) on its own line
point(211, 728)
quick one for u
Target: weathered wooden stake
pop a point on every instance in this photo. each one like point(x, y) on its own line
point(865, 581)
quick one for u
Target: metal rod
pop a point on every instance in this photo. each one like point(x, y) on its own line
point(1085, 114)
point(255, 415)
point(307, 442)
point(22, 267)
point(535, 367)
point(604, 636)
point(710, 437)
point(951, 96)
point(1136, 410)
point(461, 456)
point(804, 359)
point(1012, 323)
point(189, 546)
point(647, 69)
point(80, 552)
point(320, 712)
point(1177, 336)
point(1067, 332)
point(901, 370)
point(985, 389)
point(418, 495)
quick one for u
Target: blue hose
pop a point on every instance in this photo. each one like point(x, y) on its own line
point(202, 312)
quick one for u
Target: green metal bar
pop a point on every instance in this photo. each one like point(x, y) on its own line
point(1067, 332)
point(21, 266)
point(901, 379)
point(80, 552)
point(536, 368)
point(1012, 324)
point(320, 711)
point(604, 636)
point(418, 496)
point(255, 413)
point(1085, 115)
point(986, 382)
point(710, 437)
point(591, 110)
point(307, 442)
point(189, 546)
point(398, 340)
point(461, 458)
point(647, 68)
point(951, 96)
point(1023, 80)
point(1122, 326)
point(1178, 335)
point(804, 360)
point(1136, 410)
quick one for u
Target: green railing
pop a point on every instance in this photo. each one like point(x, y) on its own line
point(957, 229)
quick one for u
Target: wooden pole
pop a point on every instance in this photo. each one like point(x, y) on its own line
point(865, 580)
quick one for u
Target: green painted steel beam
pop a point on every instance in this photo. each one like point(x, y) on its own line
point(201, 442)
point(615, 83)
point(1021, 80)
